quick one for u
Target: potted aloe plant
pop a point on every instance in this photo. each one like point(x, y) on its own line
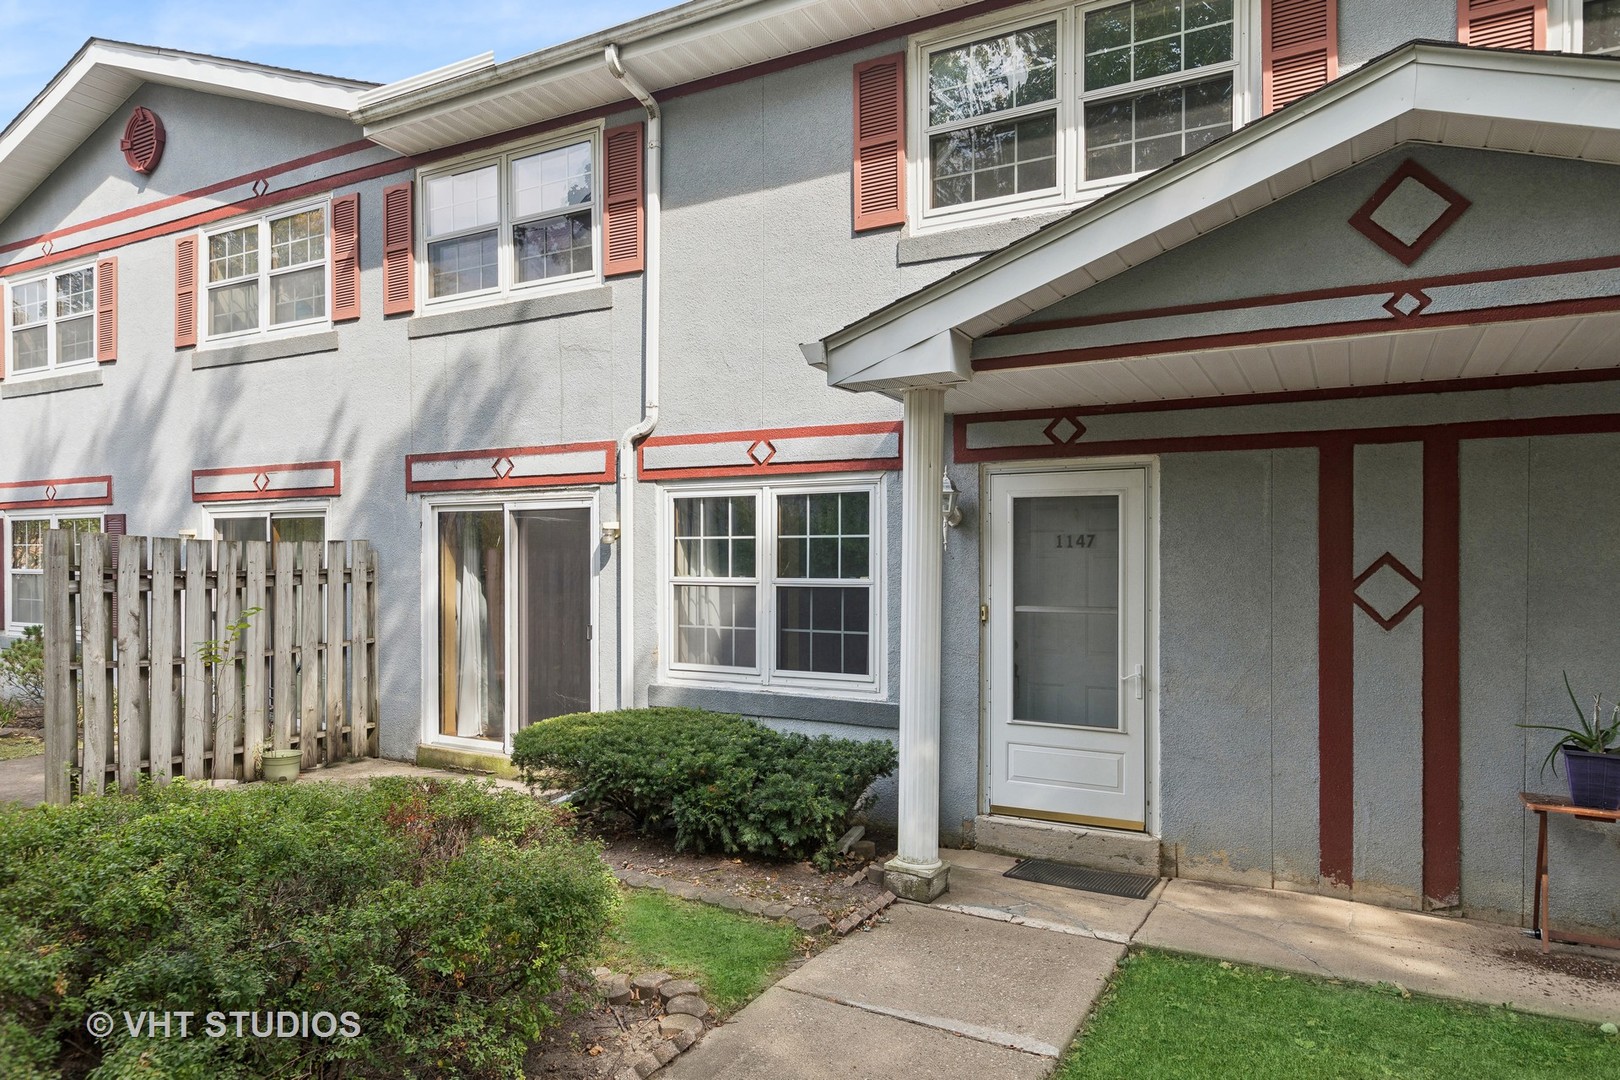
point(1591, 754)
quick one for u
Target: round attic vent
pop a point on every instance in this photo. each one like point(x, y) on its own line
point(142, 143)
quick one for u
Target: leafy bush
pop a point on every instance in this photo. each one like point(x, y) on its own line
point(440, 914)
point(722, 782)
point(22, 667)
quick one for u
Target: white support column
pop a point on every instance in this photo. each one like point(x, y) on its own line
point(916, 872)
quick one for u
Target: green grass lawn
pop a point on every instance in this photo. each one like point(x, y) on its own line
point(1172, 1017)
point(731, 955)
point(20, 746)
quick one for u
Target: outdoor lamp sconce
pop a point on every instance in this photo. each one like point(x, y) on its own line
point(948, 498)
point(610, 531)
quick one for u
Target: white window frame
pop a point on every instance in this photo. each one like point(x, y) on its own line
point(558, 499)
point(264, 277)
point(217, 512)
point(53, 363)
point(764, 675)
point(1566, 28)
point(508, 287)
point(1070, 189)
point(11, 623)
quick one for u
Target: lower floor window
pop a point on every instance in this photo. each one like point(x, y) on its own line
point(276, 526)
point(776, 583)
point(25, 562)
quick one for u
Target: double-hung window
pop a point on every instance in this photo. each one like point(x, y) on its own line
point(269, 274)
point(776, 585)
point(53, 320)
point(519, 220)
point(1584, 26)
point(1067, 103)
point(25, 562)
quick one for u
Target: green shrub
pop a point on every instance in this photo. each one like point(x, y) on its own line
point(440, 914)
point(22, 667)
point(722, 783)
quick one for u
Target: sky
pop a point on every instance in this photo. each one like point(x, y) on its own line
point(376, 40)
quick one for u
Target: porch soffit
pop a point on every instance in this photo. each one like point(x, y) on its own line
point(1423, 93)
point(103, 74)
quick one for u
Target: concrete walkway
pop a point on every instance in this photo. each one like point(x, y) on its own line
point(994, 979)
point(22, 780)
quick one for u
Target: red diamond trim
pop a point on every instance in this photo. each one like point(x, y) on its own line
point(1393, 304)
point(47, 247)
point(1074, 437)
point(754, 454)
point(260, 186)
point(1386, 559)
point(260, 481)
point(50, 492)
point(1362, 220)
point(502, 467)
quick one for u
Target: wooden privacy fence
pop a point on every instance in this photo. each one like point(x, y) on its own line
point(128, 691)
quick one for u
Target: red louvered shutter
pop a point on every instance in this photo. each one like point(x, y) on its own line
point(1300, 50)
point(1502, 24)
point(399, 250)
point(185, 292)
point(880, 142)
point(624, 214)
point(114, 525)
point(346, 258)
point(107, 310)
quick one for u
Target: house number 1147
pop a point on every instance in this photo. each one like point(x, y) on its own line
point(1076, 540)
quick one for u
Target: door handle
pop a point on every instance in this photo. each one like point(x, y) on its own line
point(1136, 674)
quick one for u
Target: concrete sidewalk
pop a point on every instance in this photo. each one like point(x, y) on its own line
point(22, 780)
point(993, 979)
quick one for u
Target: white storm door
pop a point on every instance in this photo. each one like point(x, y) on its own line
point(1067, 562)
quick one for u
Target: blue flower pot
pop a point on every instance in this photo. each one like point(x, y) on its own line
point(1594, 779)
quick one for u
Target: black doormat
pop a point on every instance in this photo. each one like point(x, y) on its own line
point(1135, 886)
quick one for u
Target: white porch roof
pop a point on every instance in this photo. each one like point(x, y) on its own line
point(1431, 93)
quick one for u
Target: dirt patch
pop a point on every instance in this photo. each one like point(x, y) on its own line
point(1574, 964)
point(834, 893)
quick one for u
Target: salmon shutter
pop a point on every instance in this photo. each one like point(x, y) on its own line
point(346, 258)
point(185, 292)
point(399, 250)
point(1502, 24)
point(114, 525)
point(107, 310)
point(1300, 51)
point(880, 142)
point(624, 216)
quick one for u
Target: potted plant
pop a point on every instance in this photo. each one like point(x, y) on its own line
point(1591, 754)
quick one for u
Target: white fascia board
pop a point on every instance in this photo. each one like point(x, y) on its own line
point(944, 359)
point(1419, 78)
point(400, 88)
point(233, 78)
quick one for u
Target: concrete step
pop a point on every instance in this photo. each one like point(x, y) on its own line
point(1077, 845)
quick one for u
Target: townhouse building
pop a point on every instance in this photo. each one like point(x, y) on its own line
point(1185, 426)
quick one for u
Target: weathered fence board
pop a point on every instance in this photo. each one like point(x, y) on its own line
point(191, 680)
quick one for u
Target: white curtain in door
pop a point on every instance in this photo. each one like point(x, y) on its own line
point(472, 644)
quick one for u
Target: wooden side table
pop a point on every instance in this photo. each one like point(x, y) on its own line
point(1540, 925)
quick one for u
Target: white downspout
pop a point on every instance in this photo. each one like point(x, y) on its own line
point(649, 412)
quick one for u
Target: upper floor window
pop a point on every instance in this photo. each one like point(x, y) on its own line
point(523, 218)
point(1074, 98)
point(1600, 26)
point(53, 320)
point(268, 274)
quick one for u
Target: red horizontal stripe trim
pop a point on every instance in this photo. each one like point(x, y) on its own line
point(254, 470)
point(198, 193)
point(1280, 335)
point(709, 472)
point(886, 427)
point(499, 483)
point(261, 496)
point(1506, 273)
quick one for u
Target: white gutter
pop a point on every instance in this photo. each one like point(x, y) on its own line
point(649, 410)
